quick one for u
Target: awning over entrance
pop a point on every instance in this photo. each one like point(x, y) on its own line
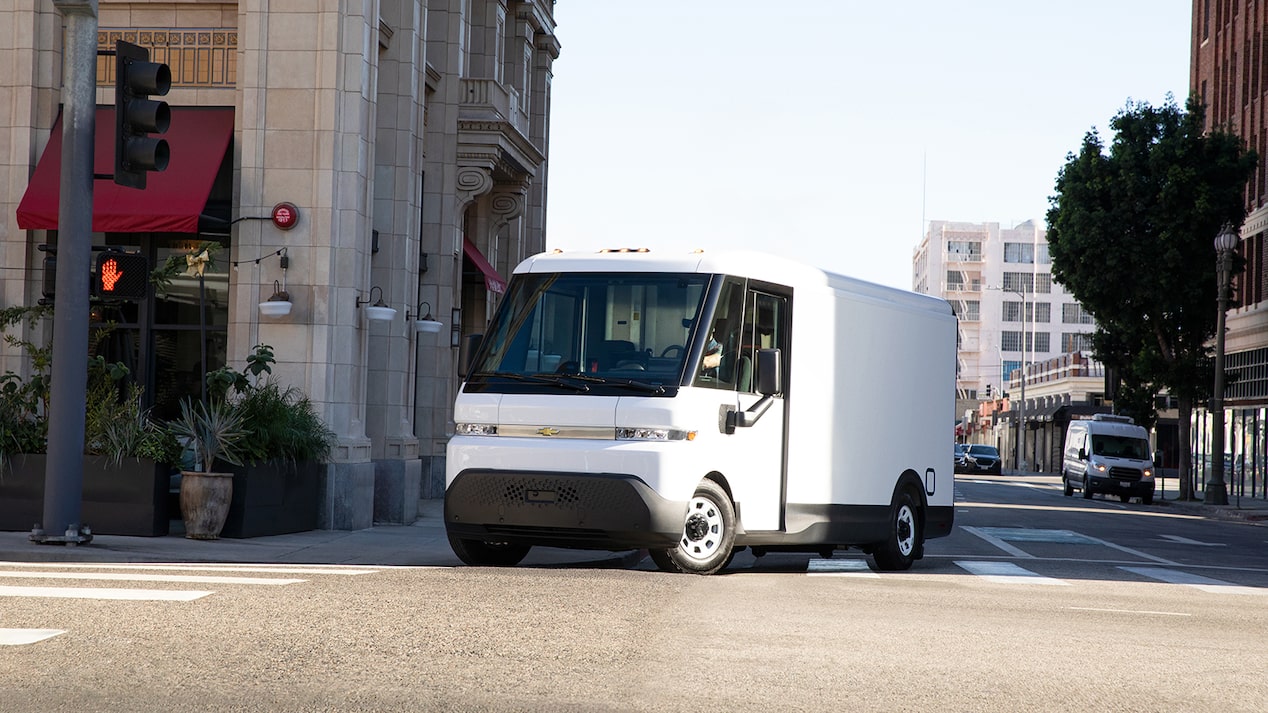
point(492, 280)
point(172, 199)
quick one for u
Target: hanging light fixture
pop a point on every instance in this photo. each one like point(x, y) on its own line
point(380, 311)
point(426, 323)
point(279, 304)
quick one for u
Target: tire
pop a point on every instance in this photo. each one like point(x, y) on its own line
point(1087, 489)
point(897, 552)
point(1065, 480)
point(1125, 498)
point(488, 554)
point(1147, 499)
point(708, 535)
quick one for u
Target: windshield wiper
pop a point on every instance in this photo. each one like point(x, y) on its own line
point(628, 383)
point(554, 379)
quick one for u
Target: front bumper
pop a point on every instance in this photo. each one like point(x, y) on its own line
point(606, 511)
point(1116, 486)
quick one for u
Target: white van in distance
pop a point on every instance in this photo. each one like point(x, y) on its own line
point(1108, 454)
point(696, 404)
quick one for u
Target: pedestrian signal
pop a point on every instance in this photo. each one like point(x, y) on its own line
point(122, 276)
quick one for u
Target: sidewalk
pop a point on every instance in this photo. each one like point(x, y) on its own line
point(1167, 497)
point(421, 544)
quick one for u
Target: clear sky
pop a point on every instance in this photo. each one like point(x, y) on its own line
point(834, 130)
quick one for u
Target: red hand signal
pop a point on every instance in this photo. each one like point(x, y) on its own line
point(110, 274)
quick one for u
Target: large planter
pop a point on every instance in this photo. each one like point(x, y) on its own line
point(274, 498)
point(128, 499)
point(205, 499)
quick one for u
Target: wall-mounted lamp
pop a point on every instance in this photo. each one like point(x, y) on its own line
point(279, 304)
point(426, 323)
point(379, 311)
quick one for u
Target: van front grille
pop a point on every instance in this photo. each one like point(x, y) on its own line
point(1121, 473)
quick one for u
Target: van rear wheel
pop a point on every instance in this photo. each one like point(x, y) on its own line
point(488, 554)
point(708, 535)
point(902, 547)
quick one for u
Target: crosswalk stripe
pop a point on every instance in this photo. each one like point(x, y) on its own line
point(1007, 573)
point(1197, 581)
point(174, 578)
point(20, 637)
point(839, 568)
point(139, 595)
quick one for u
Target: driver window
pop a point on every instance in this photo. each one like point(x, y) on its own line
point(722, 342)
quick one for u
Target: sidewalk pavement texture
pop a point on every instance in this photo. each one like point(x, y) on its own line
point(424, 543)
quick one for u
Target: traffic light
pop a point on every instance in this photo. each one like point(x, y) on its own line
point(122, 276)
point(136, 116)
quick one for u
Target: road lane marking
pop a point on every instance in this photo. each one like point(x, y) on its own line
point(1206, 584)
point(21, 637)
point(1186, 541)
point(1130, 611)
point(980, 532)
point(136, 595)
point(1006, 573)
point(172, 578)
point(208, 567)
point(839, 568)
point(1134, 553)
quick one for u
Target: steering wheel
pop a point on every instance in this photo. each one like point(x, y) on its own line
point(677, 350)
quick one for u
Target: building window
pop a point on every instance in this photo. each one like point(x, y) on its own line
point(1009, 368)
point(1019, 253)
point(955, 280)
point(1035, 341)
point(970, 250)
point(1043, 283)
point(1075, 314)
point(1076, 342)
point(1023, 282)
point(1035, 312)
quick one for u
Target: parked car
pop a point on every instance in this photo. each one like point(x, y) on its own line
point(982, 459)
point(961, 451)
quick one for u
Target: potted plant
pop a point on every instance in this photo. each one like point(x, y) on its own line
point(126, 453)
point(277, 488)
point(212, 430)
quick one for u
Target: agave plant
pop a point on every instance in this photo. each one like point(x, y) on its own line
point(213, 430)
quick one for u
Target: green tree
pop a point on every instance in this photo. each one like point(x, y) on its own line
point(1130, 232)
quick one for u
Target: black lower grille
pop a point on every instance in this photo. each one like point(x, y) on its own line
point(1121, 473)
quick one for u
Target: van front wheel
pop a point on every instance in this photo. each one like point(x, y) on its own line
point(708, 534)
point(902, 547)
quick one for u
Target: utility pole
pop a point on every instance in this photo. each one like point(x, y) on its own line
point(64, 472)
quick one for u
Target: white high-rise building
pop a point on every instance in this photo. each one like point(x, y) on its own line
point(1011, 312)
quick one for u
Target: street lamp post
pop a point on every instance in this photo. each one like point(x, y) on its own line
point(1021, 406)
point(1216, 491)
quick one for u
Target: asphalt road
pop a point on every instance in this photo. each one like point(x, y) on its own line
point(1037, 602)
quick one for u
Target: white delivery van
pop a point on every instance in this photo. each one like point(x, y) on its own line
point(695, 404)
point(1108, 454)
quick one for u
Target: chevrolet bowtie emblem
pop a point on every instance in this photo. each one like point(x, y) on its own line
point(547, 431)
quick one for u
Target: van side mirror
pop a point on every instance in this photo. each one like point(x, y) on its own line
point(467, 353)
point(1082, 454)
point(769, 372)
point(1158, 459)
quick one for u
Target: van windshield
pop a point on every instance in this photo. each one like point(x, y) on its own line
point(1120, 447)
point(592, 329)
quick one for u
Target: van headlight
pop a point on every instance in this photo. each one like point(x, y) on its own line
point(1100, 467)
point(475, 429)
point(1148, 473)
point(654, 434)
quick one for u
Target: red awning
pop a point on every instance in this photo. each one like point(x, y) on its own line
point(172, 199)
point(493, 282)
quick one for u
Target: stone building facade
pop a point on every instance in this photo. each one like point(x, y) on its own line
point(412, 137)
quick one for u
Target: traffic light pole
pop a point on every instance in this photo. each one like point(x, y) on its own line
point(64, 470)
